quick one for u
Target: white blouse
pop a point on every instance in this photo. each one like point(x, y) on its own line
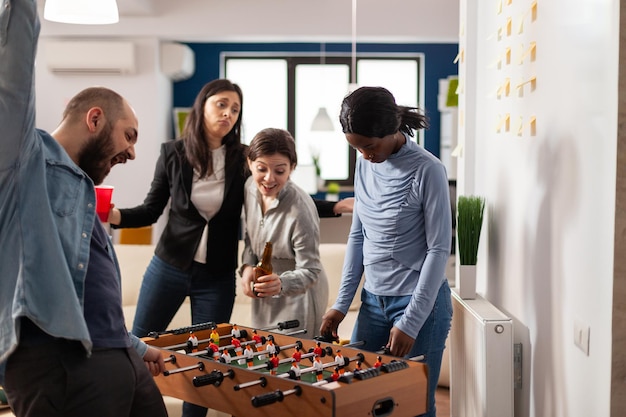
point(207, 195)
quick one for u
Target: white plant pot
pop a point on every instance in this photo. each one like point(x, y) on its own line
point(466, 282)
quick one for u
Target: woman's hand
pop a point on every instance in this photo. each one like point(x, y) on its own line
point(330, 323)
point(267, 285)
point(400, 343)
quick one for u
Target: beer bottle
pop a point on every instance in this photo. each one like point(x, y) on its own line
point(264, 267)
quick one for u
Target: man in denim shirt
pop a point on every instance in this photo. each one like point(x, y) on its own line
point(62, 335)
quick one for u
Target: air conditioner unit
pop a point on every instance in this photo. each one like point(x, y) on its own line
point(177, 61)
point(90, 57)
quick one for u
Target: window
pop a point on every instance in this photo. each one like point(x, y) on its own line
point(286, 91)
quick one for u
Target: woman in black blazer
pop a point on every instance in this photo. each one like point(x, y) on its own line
point(202, 177)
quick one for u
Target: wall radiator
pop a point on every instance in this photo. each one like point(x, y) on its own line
point(481, 360)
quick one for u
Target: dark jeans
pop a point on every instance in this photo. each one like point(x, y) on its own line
point(59, 380)
point(377, 316)
point(164, 289)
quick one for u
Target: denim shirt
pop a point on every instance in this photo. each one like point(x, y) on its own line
point(47, 203)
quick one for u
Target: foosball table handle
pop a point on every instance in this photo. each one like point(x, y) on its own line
point(214, 378)
point(272, 397)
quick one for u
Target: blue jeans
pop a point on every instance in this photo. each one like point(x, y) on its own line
point(377, 316)
point(163, 290)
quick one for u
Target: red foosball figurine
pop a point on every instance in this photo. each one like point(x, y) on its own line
point(258, 343)
point(214, 349)
point(297, 355)
point(335, 375)
point(238, 351)
point(318, 349)
point(274, 362)
point(379, 362)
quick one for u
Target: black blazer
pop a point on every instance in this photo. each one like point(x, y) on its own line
point(173, 178)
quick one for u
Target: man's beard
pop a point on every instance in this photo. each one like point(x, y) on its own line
point(94, 158)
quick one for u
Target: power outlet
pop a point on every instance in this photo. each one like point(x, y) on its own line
point(581, 336)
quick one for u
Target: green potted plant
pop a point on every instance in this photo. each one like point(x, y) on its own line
point(470, 211)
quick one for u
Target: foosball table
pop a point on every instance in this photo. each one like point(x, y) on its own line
point(259, 372)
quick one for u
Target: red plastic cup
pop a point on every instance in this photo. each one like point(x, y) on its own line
point(103, 201)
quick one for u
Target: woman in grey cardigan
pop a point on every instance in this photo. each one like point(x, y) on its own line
point(277, 210)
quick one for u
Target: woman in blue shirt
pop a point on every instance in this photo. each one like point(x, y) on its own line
point(400, 236)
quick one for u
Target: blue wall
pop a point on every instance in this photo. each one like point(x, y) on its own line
point(438, 60)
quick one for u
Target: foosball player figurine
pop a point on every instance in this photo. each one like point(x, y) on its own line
point(225, 358)
point(341, 361)
point(238, 351)
point(335, 375)
point(297, 355)
point(235, 332)
point(258, 343)
point(215, 336)
point(249, 354)
point(318, 349)
point(379, 362)
point(274, 362)
point(214, 349)
point(295, 371)
point(357, 366)
point(319, 368)
point(192, 342)
point(270, 347)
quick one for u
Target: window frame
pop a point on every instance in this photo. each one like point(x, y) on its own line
point(294, 59)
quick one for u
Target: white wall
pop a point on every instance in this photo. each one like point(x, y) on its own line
point(148, 91)
point(547, 256)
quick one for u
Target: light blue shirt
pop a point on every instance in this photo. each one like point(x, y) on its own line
point(401, 232)
point(47, 203)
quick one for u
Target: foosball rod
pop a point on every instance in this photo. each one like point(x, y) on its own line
point(283, 325)
point(280, 362)
point(262, 381)
point(265, 351)
point(359, 356)
point(199, 366)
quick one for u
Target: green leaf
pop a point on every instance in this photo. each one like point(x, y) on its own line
point(470, 210)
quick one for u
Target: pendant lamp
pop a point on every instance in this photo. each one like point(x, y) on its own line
point(82, 12)
point(322, 121)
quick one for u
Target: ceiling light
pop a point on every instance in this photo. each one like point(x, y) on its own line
point(322, 121)
point(84, 12)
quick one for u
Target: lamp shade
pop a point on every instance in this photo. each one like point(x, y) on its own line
point(85, 12)
point(322, 121)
